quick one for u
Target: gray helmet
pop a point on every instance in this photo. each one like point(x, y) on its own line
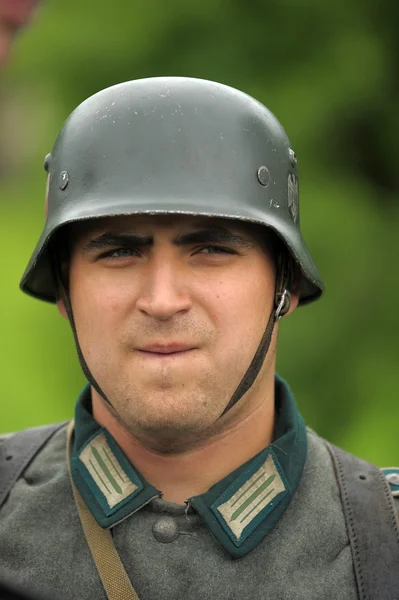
point(172, 145)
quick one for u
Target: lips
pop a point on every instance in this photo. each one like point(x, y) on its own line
point(166, 348)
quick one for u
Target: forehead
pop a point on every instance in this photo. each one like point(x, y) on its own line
point(161, 224)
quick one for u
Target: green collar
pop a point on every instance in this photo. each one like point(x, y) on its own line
point(239, 510)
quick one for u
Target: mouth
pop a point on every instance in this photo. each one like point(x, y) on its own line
point(165, 350)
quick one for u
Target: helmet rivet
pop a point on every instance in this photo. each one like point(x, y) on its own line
point(292, 157)
point(47, 163)
point(263, 176)
point(64, 179)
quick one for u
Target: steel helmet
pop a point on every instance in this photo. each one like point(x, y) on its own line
point(172, 145)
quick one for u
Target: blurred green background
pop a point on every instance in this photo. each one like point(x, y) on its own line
point(330, 72)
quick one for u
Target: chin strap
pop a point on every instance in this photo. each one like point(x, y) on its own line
point(282, 302)
point(56, 267)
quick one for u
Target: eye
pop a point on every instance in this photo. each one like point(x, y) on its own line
point(120, 253)
point(216, 250)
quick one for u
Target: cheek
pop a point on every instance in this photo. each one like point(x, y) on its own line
point(98, 302)
point(241, 307)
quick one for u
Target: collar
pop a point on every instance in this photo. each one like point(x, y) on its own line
point(239, 510)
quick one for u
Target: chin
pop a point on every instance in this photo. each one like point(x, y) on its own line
point(172, 423)
point(159, 420)
point(167, 412)
point(172, 438)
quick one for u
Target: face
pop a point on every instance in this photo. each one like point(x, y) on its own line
point(169, 312)
point(13, 15)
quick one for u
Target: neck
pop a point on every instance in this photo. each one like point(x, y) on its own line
point(193, 471)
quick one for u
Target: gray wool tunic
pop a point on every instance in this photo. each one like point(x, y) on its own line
point(306, 555)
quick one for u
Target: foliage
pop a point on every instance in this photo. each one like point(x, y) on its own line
point(329, 71)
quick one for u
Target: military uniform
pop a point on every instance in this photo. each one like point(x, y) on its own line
point(294, 546)
point(299, 519)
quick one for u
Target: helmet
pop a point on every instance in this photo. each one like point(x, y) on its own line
point(172, 145)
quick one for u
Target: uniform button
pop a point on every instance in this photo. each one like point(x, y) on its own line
point(165, 529)
point(393, 478)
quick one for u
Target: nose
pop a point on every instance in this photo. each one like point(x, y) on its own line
point(164, 292)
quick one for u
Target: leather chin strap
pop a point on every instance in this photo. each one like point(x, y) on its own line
point(56, 266)
point(282, 301)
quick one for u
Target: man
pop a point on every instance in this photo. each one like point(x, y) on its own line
point(14, 14)
point(172, 246)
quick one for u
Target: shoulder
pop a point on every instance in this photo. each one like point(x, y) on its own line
point(31, 440)
point(37, 506)
point(33, 452)
point(327, 456)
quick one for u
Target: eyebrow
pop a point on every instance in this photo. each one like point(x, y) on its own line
point(213, 235)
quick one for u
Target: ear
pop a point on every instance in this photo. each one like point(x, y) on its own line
point(293, 304)
point(61, 308)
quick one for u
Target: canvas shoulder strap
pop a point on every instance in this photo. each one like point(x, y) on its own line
point(372, 524)
point(17, 451)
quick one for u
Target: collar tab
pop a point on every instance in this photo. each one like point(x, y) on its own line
point(251, 497)
point(101, 465)
point(239, 510)
point(109, 484)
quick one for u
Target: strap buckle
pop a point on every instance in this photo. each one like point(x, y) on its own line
point(284, 301)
